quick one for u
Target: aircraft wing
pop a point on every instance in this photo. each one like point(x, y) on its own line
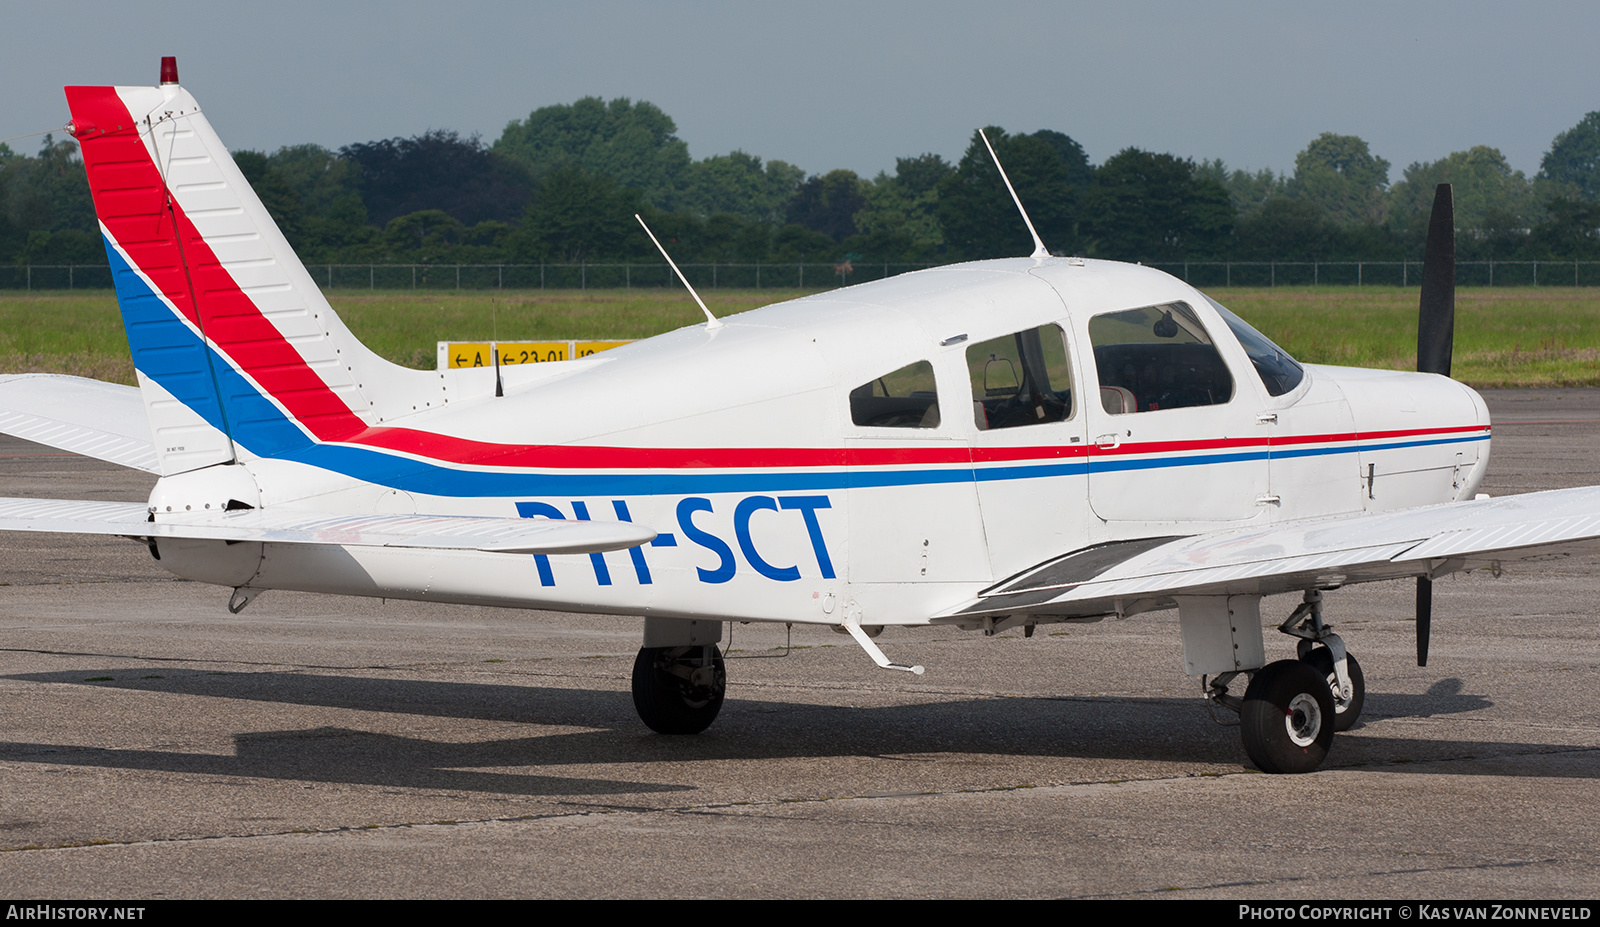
point(102, 420)
point(1133, 576)
point(436, 532)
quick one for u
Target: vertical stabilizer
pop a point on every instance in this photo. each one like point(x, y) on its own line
point(238, 353)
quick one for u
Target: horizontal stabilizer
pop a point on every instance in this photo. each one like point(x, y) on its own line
point(432, 532)
point(101, 420)
point(1327, 553)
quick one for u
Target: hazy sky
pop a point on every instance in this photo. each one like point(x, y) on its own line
point(827, 85)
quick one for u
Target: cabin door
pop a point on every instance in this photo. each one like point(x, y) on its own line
point(1176, 440)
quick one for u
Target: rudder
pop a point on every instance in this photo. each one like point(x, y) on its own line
point(238, 352)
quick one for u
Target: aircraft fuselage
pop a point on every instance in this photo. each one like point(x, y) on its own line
point(741, 448)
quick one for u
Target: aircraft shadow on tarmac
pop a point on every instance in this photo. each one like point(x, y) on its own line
point(1084, 727)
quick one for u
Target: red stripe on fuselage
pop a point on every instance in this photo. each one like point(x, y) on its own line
point(580, 457)
point(1264, 441)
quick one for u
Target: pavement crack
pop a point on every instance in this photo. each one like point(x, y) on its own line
point(100, 843)
point(1168, 891)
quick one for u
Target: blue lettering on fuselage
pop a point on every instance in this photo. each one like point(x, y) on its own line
point(747, 507)
point(727, 565)
point(602, 575)
point(541, 561)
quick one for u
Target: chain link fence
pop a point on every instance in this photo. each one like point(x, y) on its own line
point(1380, 273)
point(581, 276)
point(27, 277)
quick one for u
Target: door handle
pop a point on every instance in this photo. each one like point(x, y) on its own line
point(1108, 442)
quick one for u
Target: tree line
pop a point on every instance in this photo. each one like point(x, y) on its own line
point(563, 184)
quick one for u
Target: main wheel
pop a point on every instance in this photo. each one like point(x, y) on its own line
point(678, 690)
point(1345, 711)
point(1287, 718)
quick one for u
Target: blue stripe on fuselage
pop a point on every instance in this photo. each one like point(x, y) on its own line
point(169, 352)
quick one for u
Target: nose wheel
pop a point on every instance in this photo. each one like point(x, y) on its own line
point(679, 690)
point(1345, 710)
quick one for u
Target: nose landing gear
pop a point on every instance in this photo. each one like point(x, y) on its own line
point(1345, 709)
point(1330, 659)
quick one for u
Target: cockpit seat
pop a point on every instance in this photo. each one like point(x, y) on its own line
point(1118, 399)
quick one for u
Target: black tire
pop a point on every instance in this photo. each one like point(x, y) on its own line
point(1345, 713)
point(670, 704)
point(1287, 719)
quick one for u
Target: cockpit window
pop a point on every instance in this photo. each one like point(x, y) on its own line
point(1021, 379)
point(1279, 372)
point(906, 398)
point(1158, 357)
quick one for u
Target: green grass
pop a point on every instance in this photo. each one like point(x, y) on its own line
point(405, 325)
point(80, 333)
point(1505, 336)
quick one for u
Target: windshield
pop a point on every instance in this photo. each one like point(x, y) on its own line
point(1279, 372)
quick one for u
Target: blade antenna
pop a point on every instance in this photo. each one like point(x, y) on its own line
point(1039, 250)
point(712, 322)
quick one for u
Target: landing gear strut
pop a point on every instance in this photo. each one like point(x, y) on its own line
point(1292, 708)
point(1330, 660)
point(679, 690)
point(1345, 710)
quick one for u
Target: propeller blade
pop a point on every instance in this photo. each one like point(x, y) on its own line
point(1436, 315)
point(1424, 617)
point(1436, 326)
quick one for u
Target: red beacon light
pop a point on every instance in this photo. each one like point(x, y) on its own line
point(169, 70)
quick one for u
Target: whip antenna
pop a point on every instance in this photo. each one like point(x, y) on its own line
point(712, 322)
point(1039, 250)
point(494, 348)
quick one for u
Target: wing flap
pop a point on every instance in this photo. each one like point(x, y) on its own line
point(1429, 540)
point(433, 532)
point(106, 421)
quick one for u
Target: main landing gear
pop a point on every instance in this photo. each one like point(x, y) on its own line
point(679, 690)
point(1292, 708)
point(678, 678)
point(1287, 718)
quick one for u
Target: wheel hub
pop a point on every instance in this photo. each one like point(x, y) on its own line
point(1303, 720)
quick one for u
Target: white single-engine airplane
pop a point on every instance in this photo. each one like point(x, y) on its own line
point(989, 445)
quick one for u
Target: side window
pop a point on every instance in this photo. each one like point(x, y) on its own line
point(1021, 379)
point(903, 399)
point(1158, 357)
